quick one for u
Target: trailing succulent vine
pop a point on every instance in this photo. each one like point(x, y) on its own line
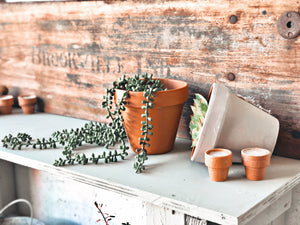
point(102, 134)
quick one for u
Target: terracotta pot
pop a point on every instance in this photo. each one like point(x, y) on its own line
point(27, 103)
point(235, 124)
point(255, 161)
point(218, 161)
point(165, 114)
point(6, 103)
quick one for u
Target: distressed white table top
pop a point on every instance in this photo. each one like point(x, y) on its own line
point(171, 179)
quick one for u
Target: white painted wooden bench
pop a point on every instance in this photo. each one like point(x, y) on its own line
point(173, 190)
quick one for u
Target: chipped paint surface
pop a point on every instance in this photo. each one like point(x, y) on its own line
point(71, 51)
point(64, 201)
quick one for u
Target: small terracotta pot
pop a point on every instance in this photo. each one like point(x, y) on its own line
point(255, 161)
point(165, 114)
point(27, 103)
point(6, 103)
point(218, 161)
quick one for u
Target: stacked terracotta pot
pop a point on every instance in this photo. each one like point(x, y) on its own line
point(27, 103)
point(218, 161)
point(255, 161)
point(6, 103)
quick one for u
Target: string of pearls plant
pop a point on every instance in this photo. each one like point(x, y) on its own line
point(102, 134)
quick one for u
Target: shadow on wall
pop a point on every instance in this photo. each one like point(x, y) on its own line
point(57, 221)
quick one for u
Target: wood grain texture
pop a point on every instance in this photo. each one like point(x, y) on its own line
point(69, 52)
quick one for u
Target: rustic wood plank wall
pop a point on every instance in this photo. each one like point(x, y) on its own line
point(68, 52)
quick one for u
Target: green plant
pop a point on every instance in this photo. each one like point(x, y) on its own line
point(105, 217)
point(199, 109)
point(102, 134)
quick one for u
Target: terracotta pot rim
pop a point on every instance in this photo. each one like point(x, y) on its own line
point(243, 151)
point(28, 95)
point(6, 97)
point(27, 101)
point(170, 97)
point(249, 157)
point(218, 161)
point(183, 83)
point(220, 150)
point(6, 100)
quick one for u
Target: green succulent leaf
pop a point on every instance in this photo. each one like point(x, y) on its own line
point(199, 109)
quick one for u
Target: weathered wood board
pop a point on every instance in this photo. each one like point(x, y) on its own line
point(69, 52)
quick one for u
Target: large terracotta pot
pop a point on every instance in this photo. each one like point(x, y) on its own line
point(165, 114)
point(233, 123)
